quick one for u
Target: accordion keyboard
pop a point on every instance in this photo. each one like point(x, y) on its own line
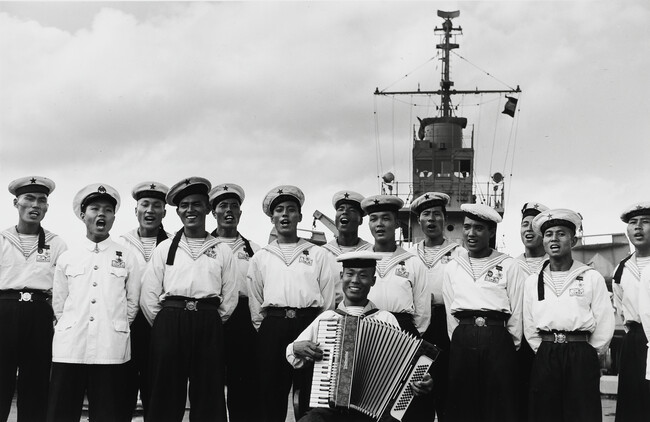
point(323, 369)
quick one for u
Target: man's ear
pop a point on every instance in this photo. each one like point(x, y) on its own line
point(300, 219)
point(16, 202)
point(574, 240)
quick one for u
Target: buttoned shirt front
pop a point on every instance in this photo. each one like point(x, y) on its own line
point(211, 274)
point(34, 272)
point(499, 288)
point(436, 269)
point(304, 281)
point(583, 304)
point(95, 298)
point(402, 288)
point(311, 332)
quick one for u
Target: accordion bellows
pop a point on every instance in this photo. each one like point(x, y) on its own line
point(368, 365)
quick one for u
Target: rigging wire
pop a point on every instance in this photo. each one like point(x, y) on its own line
point(379, 163)
point(482, 70)
point(494, 139)
point(411, 72)
point(514, 150)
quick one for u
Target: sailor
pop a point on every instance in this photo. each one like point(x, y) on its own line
point(290, 282)
point(401, 286)
point(530, 262)
point(189, 288)
point(349, 216)
point(435, 252)
point(483, 296)
point(357, 278)
point(149, 211)
point(568, 322)
point(95, 299)
point(240, 338)
point(633, 398)
point(28, 256)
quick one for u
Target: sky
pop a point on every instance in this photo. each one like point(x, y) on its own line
point(268, 93)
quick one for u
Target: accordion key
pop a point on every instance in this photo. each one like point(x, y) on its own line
point(368, 365)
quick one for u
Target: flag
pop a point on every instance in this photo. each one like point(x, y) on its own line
point(510, 106)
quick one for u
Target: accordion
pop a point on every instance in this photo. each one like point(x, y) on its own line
point(368, 366)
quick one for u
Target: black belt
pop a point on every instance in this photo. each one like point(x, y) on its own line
point(482, 318)
point(292, 312)
point(24, 295)
point(562, 337)
point(192, 304)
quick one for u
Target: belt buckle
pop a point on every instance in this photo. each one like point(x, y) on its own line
point(290, 313)
point(480, 321)
point(191, 305)
point(559, 338)
point(25, 297)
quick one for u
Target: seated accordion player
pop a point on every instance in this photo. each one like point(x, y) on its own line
point(368, 365)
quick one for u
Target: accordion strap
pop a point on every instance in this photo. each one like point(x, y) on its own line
point(365, 314)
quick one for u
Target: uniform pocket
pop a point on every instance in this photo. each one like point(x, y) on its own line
point(65, 324)
point(121, 326)
point(74, 270)
point(118, 272)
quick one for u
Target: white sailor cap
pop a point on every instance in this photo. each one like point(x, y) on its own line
point(429, 200)
point(347, 197)
point(280, 194)
point(532, 208)
point(92, 193)
point(641, 208)
point(188, 186)
point(154, 190)
point(377, 203)
point(226, 191)
point(31, 184)
point(557, 217)
point(359, 259)
point(481, 212)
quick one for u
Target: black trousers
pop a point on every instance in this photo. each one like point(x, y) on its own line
point(482, 375)
point(138, 366)
point(426, 407)
point(103, 384)
point(565, 384)
point(26, 331)
point(331, 415)
point(633, 399)
point(525, 358)
point(186, 345)
point(276, 375)
point(242, 376)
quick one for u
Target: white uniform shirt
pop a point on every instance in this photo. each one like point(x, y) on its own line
point(241, 261)
point(133, 244)
point(335, 250)
point(582, 305)
point(211, 274)
point(95, 299)
point(436, 268)
point(525, 266)
point(311, 332)
point(402, 288)
point(626, 293)
point(304, 281)
point(499, 288)
point(34, 272)
point(644, 311)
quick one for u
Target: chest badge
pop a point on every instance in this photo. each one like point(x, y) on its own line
point(305, 258)
point(118, 262)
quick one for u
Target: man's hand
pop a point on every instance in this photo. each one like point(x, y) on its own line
point(420, 388)
point(307, 350)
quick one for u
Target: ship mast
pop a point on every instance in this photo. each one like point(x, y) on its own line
point(441, 161)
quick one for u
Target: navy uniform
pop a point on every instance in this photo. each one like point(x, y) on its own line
point(349, 217)
point(28, 257)
point(633, 398)
point(568, 322)
point(242, 376)
point(435, 259)
point(483, 296)
point(188, 290)
point(530, 262)
point(95, 299)
point(289, 285)
point(150, 210)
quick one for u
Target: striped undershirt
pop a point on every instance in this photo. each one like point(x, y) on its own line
point(148, 244)
point(354, 310)
point(27, 242)
point(535, 264)
point(478, 265)
point(383, 264)
point(559, 279)
point(430, 254)
point(287, 250)
point(195, 244)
